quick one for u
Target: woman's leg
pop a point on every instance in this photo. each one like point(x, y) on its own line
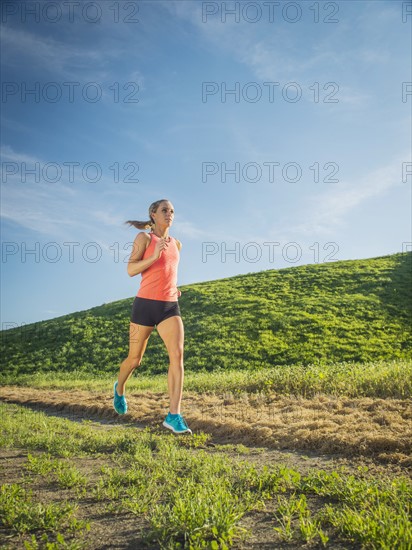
point(138, 338)
point(171, 331)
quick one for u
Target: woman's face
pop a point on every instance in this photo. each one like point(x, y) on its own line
point(165, 214)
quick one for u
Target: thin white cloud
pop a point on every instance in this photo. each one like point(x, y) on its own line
point(189, 230)
point(275, 57)
point(331, 209)
point(380, 56)
point(137, 77)
point(61, 211)
point(15, 180)
point(33, 216)
point(7, 154)
point(66, 59)
point(56, 57)
point(107, 219)
point(58, 210)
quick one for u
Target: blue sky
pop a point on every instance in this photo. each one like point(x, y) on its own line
point(319, 99)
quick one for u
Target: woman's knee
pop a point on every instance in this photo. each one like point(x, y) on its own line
point(176, 356)
point(134, 362)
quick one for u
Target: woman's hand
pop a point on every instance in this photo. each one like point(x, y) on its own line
point(159, 247)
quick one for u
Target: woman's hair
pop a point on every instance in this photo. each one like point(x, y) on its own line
point(149, 223)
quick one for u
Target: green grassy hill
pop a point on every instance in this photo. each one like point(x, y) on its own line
point(356, 310)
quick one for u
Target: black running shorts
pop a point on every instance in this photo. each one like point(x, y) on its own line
point(152, 312)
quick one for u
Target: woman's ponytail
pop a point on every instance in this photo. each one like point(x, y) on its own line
point(140, 225)
point(150, 223)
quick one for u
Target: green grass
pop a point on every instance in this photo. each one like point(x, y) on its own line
point(66, 475)
point(190, 497)
point(18, 511)
point(382, 379)
point(340, 329)
point(347, 311)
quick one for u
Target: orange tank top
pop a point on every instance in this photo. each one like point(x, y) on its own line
point(160, 279)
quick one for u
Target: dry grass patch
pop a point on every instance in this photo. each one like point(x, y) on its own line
point(326, 424)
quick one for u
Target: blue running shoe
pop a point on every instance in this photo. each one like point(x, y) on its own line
point(119, 402)
point(177, 424)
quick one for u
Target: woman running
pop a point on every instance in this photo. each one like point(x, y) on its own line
point(156, 256)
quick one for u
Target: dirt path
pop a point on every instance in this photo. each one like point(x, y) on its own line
point(302, 434)
point(323, 426)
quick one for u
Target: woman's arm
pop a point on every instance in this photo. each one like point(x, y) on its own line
point(136, 265)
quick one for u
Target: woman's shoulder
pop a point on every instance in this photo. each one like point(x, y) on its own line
point(143, 239)
point(178, 243)
point(143, 236)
